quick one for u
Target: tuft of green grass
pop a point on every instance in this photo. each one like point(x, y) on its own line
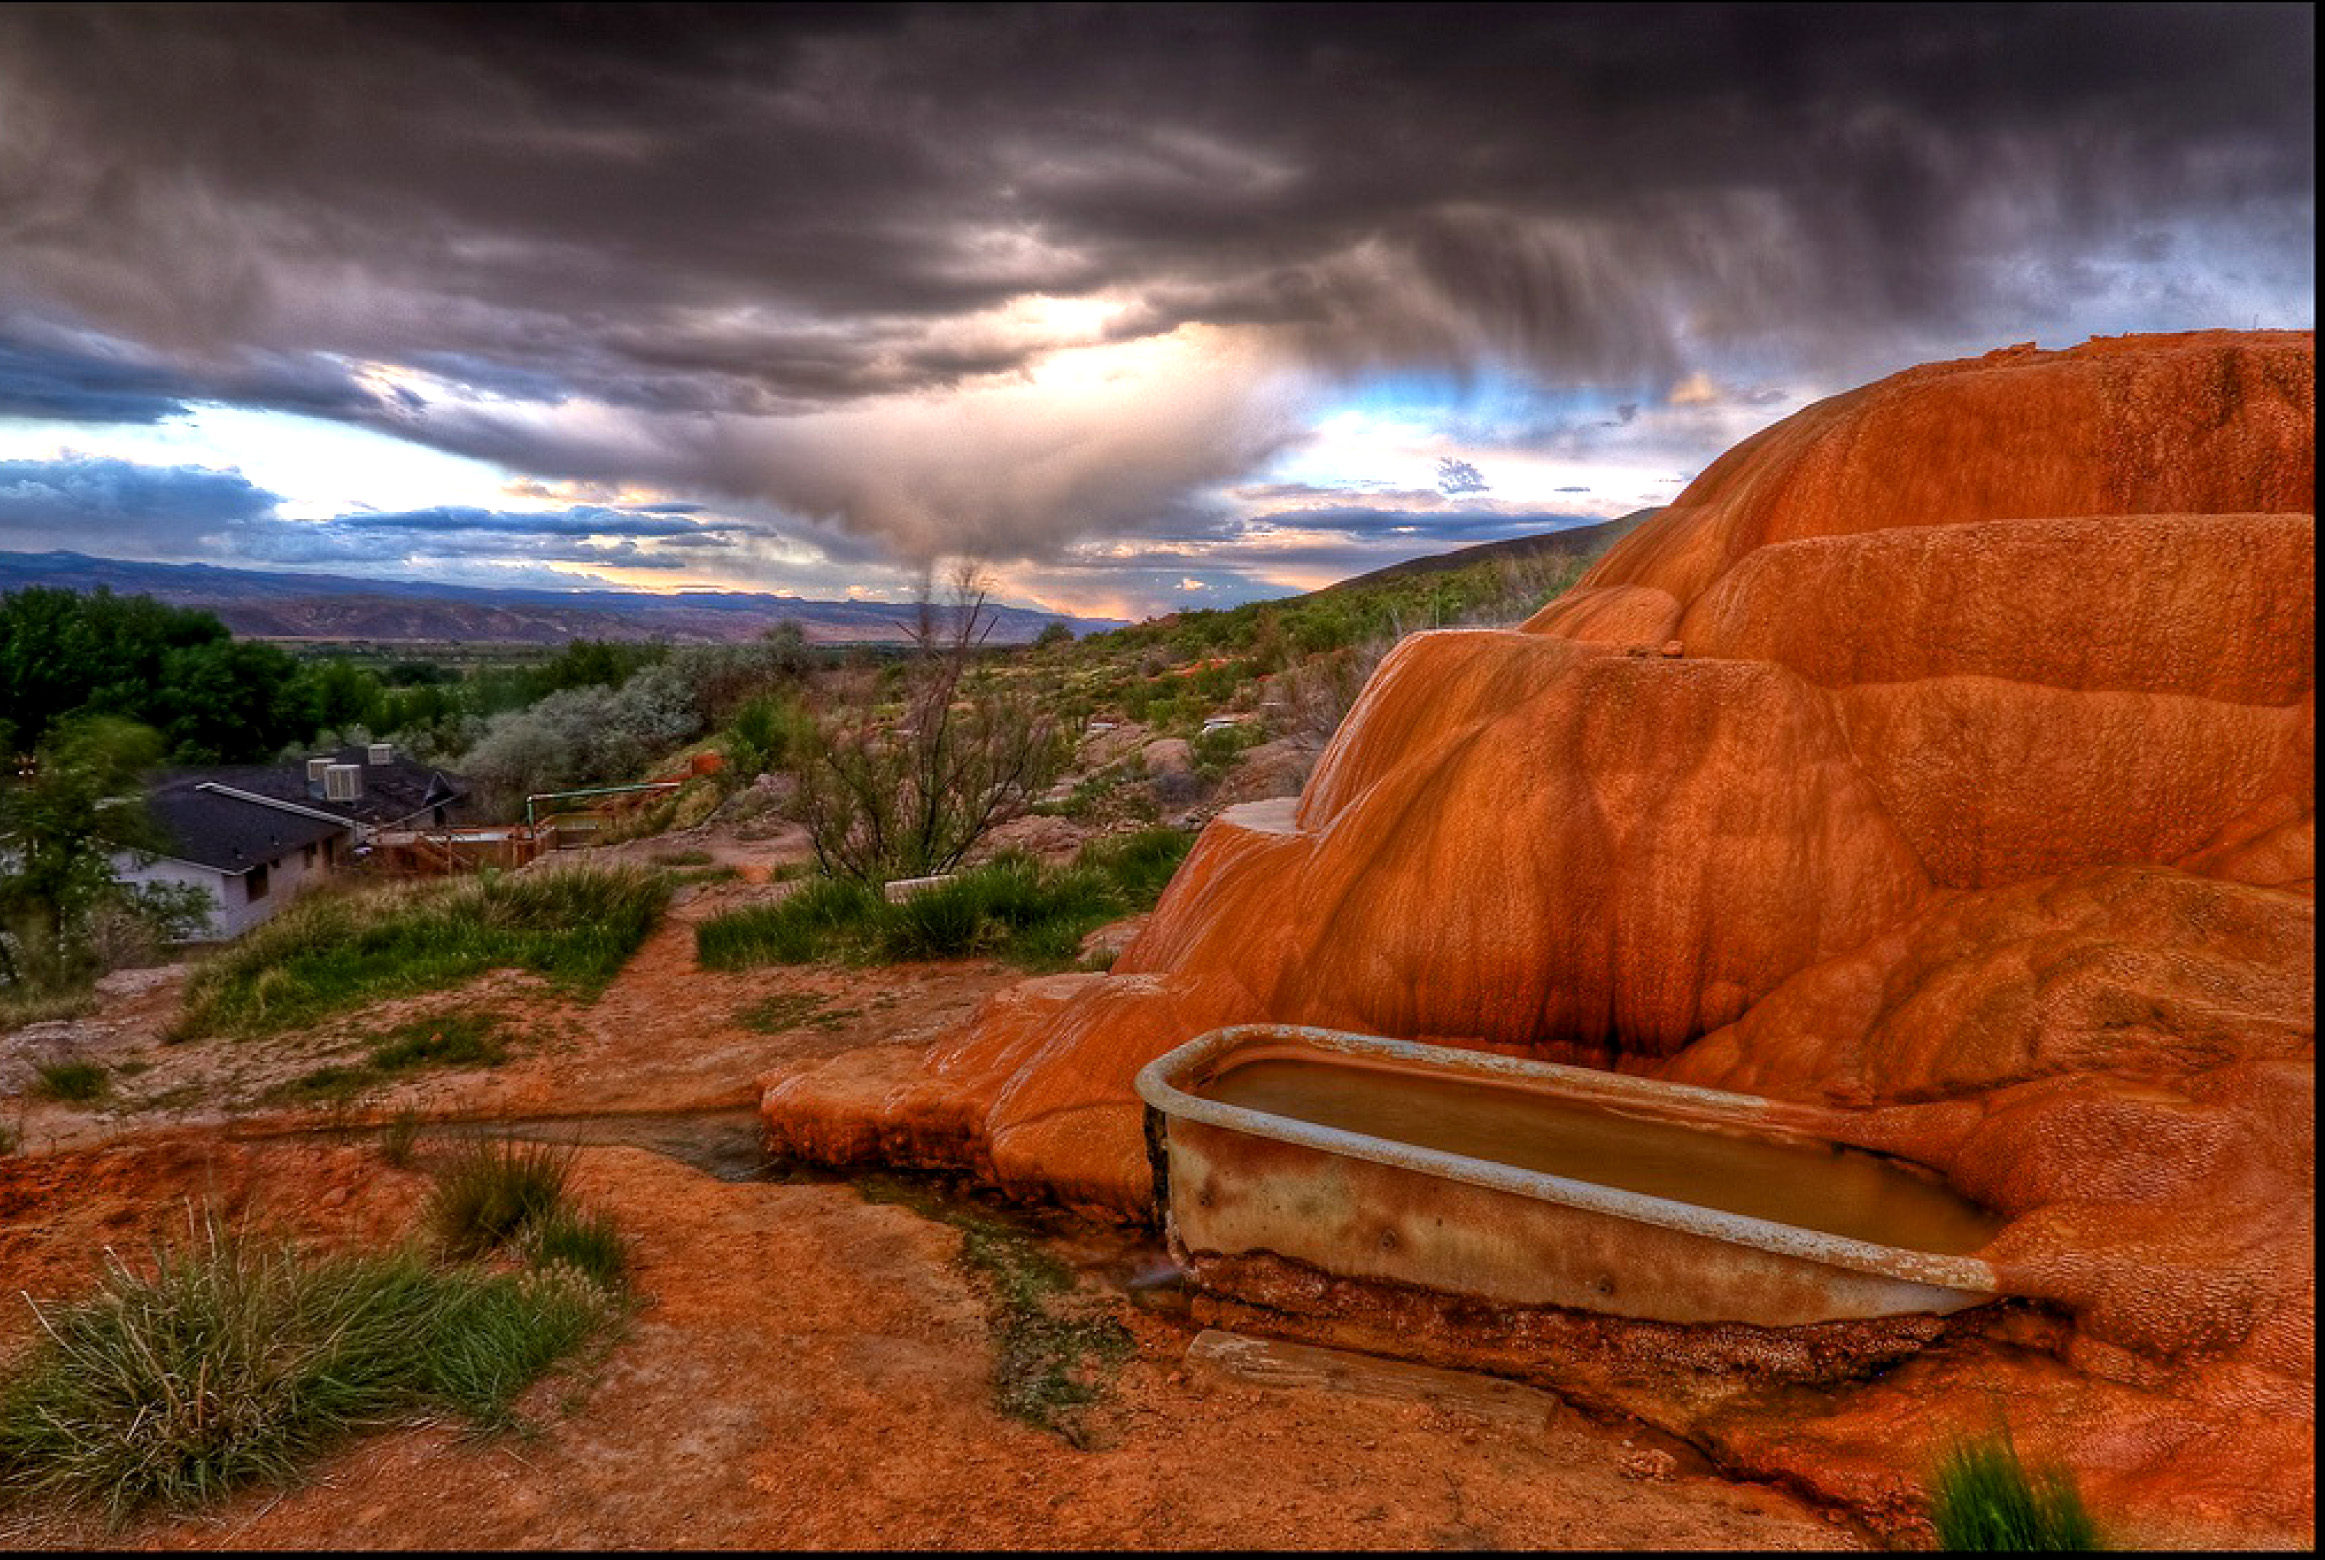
point(492, 1189)
point(235, 1362)
point(1012, 907)
point(589, 1243)
point(72, 1082)
point(399, 1140)
point(1984, 1498)
point(331, 954)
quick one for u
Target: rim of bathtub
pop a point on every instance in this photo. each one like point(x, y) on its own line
point(1156, 1087)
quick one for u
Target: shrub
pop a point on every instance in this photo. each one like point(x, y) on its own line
point(1985, 1499)
point(73, 1082)
point(235, 1361)
point(492, 1189)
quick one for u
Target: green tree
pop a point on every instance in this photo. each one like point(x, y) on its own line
point(61, 824)
point(214, 698)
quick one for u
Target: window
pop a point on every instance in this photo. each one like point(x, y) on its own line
point(308, 859)
point(254, 884)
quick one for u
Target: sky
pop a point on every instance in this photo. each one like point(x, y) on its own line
point(1144, 308)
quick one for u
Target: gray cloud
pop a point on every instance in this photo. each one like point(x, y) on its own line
point(786, 248)
point(91, 501)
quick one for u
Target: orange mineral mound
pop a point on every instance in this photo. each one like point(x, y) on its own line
point(1945, 753)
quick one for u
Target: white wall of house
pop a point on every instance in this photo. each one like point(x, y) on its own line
point(233, 911)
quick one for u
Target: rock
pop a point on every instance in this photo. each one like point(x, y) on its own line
point(1167, 756)
point(131, 983)
point(1114, 936)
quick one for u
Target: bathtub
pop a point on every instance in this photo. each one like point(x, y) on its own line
point(1494, 1178)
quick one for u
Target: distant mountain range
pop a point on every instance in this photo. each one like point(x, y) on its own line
point(263, 605)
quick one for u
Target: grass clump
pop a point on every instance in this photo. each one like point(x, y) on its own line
point(21, 1005)
point(399, 1140)
point(330, 954)
point(589, 1243)
point(72, 1082)
point(492, 1189)
point(235, 1361)
point(1012, 908)
point(1984, 1498)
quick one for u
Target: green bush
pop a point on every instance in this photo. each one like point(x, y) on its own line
point(330, 954)
point(1985, 1499)
point(235, 1362)
point(492, 1189)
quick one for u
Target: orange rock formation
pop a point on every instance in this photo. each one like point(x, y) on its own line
point(1978, 797)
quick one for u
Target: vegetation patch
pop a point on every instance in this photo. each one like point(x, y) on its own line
point(20, 1006)
point(235, 1361)
point(455, 1040)
point(1984, 1498)
point(330, 954)
point(1054, 1350)
point(591, 1244)
point(1012, 908)
point(792, 1010)
point(493, 1190)
point(71, 1082)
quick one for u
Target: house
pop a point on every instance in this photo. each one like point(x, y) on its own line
point(251, 859)
point(253, 835)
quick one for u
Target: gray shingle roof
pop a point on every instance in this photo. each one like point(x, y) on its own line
point(392, 791)
point(228, 833)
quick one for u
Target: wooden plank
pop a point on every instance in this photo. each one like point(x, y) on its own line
point(1271, 1362)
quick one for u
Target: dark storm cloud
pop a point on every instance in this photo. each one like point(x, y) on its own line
point(67, 376)
point(711, 218)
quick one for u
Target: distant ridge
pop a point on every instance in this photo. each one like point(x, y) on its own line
point(1574, 541)
point(262, 605)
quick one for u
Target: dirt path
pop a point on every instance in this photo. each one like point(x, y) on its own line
point(812, 1371)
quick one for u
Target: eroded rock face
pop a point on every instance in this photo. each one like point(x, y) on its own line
point(1979, 799)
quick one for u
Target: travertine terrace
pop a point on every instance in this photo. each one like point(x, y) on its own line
point(1944, 756)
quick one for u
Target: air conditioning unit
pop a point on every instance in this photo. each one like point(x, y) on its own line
point(343, 783)
point(315, 768)
point(383, 753)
